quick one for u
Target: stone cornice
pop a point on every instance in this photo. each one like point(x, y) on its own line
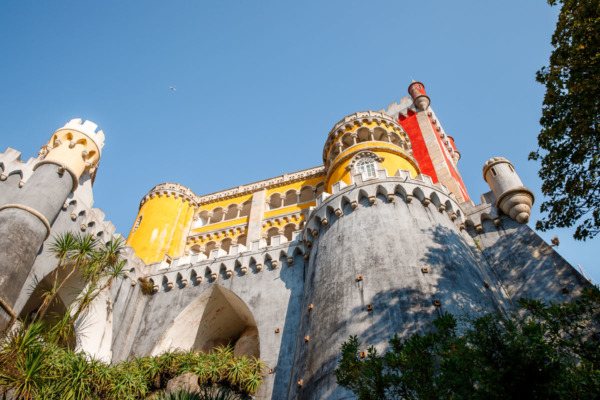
point(357, 118)
point(264, 184)
point(282, 180)
point(172, 189)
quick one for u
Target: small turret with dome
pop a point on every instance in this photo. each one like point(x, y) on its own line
point(512, 197)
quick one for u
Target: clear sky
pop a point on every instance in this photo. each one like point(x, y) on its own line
point(261, 83)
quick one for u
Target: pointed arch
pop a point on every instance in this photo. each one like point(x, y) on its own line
point(217, 317)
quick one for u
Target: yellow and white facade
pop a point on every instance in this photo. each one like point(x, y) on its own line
point(174, 222)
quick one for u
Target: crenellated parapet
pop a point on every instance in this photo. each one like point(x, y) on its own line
point(171, 189)
point(14, 173)
point(271, 183)
point(364, 142)
point(362, 127)
point(75, 148)
point(383, 189)
point(198, 270)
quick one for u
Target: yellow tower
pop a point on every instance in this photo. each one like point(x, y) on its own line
point(364, 143)
point(163, 221)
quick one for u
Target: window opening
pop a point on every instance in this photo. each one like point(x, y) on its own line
point(366, 167)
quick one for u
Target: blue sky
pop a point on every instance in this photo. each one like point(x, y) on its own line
point(260, 84)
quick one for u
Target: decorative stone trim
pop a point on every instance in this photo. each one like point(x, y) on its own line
point(383, 149)
point(33, 212)
point(264, 184)
point(61, 170)
point(380, 117)
point(285, 179)
point(363, 154)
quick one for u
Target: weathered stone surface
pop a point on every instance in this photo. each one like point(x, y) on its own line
point(247, 344)
point(187, 382)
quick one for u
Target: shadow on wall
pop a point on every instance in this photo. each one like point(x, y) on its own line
point(453, 277)
point(528, 267)
point(293, 277)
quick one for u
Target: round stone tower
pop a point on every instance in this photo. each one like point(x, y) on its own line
point(163, 220)
point(512, 197)
point(25, 223)
point(385, 253)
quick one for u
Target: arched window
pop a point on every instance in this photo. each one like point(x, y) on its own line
point(366, 167)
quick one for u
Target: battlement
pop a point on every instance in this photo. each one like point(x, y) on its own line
point(401, 107)
point(493, 161)
point(264, 184)
point(11, 164)
point(369, 116)
point(88, 128)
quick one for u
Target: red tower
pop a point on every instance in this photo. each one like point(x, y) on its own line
point(419, 95)
point(434, 150)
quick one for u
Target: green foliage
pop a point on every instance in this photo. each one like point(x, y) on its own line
point(37, 360)
point(538, 352)
point(206, 393)
point(35, 368)
point(146, 285)
point(569, 143)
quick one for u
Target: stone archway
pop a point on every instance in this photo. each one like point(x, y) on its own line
point(218, 317)
point(93, 328)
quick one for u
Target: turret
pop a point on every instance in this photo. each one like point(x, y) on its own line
point(511, 196)
point(163, 221)
point(75, 147)
point(419, 95)
point(25, 223)
point(363, 143)
point(434, 150)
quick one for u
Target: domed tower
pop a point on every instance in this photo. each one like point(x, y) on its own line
point(25, 224)
point(512, 197)
point(363, 144)
point(385, 253)
point(162, 223)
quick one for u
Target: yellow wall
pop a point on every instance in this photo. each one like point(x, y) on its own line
point(282, 222)
point(394, 159)
point(163, 229)
point(222, 230)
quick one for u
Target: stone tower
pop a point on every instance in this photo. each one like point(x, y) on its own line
point(25, 221)
point(165, 214)
point(386, 254)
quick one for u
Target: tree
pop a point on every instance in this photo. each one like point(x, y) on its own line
point(37, 361)
point(96, 264)
point(569, 143)
point(538, 352)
